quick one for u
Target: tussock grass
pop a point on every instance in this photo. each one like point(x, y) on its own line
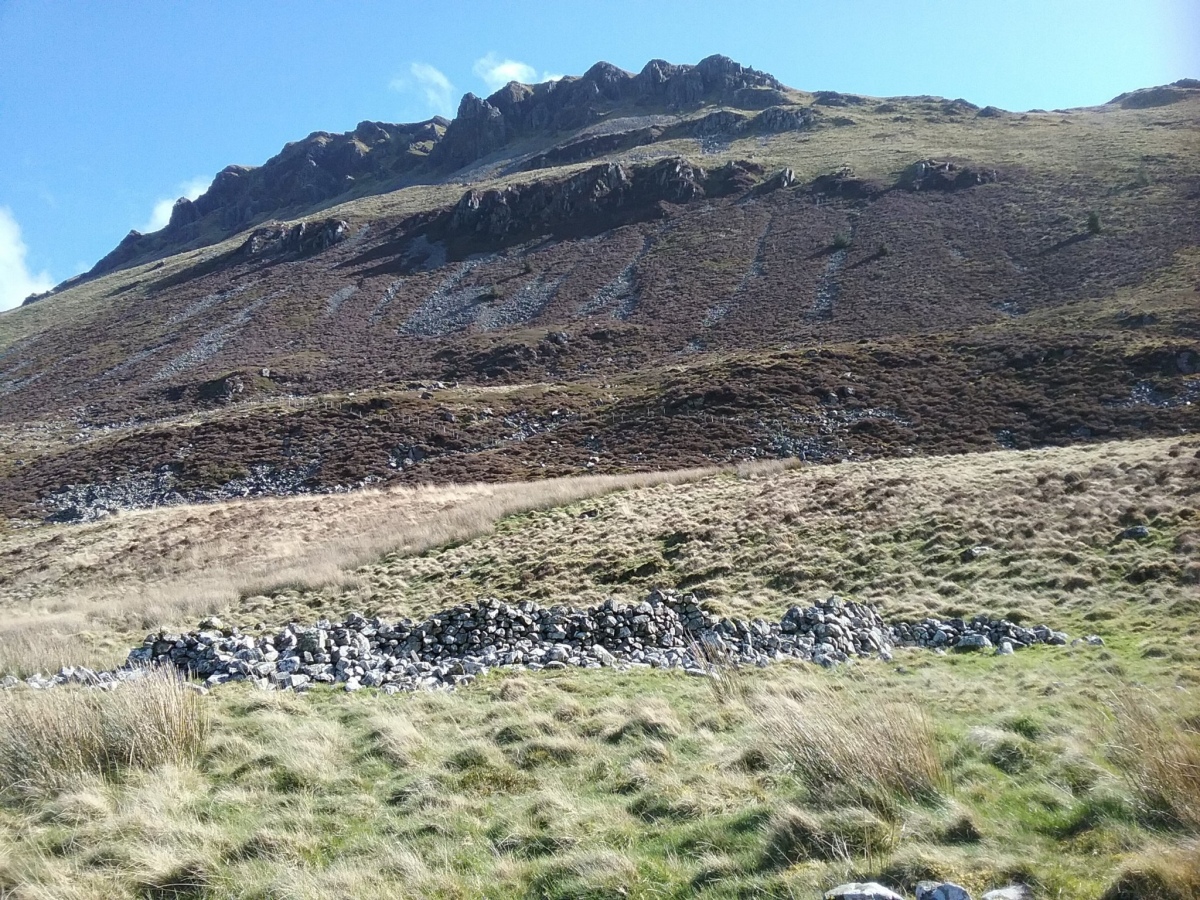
point(1164, 874)
point(796, 835)
point(857, 748)
point(1160, 756)
point(50, 739)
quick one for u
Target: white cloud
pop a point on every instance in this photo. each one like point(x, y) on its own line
point(434, 86)
point(162, 209)
point(16, 281)
point(496, 72)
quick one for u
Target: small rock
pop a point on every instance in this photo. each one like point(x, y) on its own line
point(1005, 649)
point(973, 553)
point(947, 890)
point(211, 623)
point(861, 891)
point(1135, 533)
point(1012, 892)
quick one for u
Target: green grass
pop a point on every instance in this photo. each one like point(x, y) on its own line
point(586, 783)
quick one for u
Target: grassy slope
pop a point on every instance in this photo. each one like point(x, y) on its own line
point(589, 783)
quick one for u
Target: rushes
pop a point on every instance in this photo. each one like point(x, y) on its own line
point(724, 671)
point(853, 747)
point(51, 738)
point(1159, 758)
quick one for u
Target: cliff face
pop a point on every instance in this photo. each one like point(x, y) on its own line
point(378, 156)
point(484, 126)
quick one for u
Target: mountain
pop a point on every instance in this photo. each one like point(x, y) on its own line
point(620, 272)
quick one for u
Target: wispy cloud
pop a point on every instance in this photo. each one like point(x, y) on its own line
point(434, 87)
point(16, 281)
point(496, 72)
point(161, 214)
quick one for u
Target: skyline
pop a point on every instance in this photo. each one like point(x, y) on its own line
point(110, 115)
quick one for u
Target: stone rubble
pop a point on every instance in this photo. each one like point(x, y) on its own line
point(455, 646)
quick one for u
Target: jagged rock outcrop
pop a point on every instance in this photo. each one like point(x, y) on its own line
point(304, 173)
point(594, 199)
point(786, 118)
point(935, 175)
point(483, 126)
point(833, 98)
point(301, 239)
point(1162, 95)
point(376, 155)
point(845, 185)
point(594, 145)
point(722, 123)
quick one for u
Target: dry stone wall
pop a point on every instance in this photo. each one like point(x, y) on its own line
point(452, 648)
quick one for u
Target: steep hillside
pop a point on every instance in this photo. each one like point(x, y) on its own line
point(625, 272)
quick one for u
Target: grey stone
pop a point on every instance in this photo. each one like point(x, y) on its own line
point(869, 890)
point(935, 890)
point(1135, 533)
point(664, 631)
point(973, 642)
point(1012, 892)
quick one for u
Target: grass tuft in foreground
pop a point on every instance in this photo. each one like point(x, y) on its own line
point(50, 739)
point(853, 749)
point(1160, 757)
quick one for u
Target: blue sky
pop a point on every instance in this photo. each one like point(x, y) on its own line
point(109, 111)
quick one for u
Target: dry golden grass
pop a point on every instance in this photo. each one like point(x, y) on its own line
point(852, 748)
point(51, 739)
point(1160, 756)
point(167, 566)
point(890, 532)
point(1163, 874)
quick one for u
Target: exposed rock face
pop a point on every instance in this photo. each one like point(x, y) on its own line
point(1163, 95)
point(306, 172)
point(483, 126)
point(845, 184)
point(594, 145)
point(833, 98)
point(324, 165)
point(786, 118)
point(934, 175)
point(597, 198)
point(301, 239)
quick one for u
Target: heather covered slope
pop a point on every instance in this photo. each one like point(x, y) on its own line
point(655, 280)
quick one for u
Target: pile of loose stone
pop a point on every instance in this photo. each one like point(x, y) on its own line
point(454, 647)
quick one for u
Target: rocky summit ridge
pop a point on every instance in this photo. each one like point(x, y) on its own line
point(376, 156)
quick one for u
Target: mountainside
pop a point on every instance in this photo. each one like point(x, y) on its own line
point(623, 272)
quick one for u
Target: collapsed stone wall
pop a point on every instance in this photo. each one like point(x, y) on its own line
point(453, 647)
